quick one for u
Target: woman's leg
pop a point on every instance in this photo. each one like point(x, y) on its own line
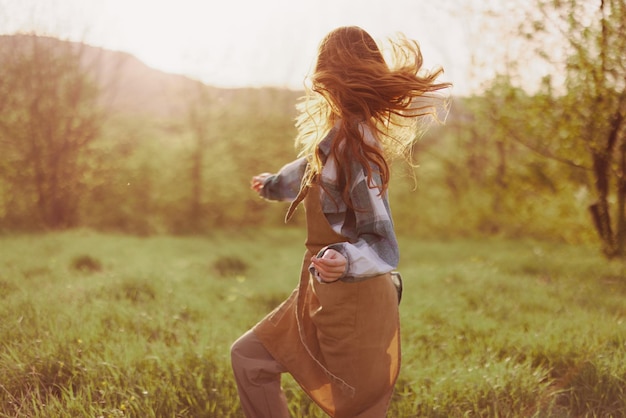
point(258, 379)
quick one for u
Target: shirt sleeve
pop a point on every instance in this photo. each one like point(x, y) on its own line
point(374, 251)
point(285, 185)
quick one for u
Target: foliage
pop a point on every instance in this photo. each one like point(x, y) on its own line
point(582, 120)
point(172, 180)
point(49, 118)
point(506, 328)
point(474, 179)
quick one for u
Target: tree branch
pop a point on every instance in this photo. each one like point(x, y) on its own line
point(544, 152)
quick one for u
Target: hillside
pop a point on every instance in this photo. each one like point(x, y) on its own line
point(130, 86)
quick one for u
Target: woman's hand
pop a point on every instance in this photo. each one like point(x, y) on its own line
point(257, 182)
point(331, 266)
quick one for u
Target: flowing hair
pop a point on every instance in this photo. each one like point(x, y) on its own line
point(352, 82)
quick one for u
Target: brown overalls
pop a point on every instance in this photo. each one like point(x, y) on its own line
point(340, 341)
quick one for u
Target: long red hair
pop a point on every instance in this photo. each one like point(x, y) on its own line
point(352, 83)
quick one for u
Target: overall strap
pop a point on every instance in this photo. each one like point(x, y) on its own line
point(304, 189)
point(294, 204)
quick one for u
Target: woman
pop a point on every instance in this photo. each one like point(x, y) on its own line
point(338, 332)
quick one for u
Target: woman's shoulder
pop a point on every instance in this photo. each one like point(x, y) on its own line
point(369, 134)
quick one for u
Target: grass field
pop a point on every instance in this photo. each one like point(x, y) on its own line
point(95, 325)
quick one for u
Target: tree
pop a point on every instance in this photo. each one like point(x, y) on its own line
point(201, 120)
point(49, 116)
point(583, 117)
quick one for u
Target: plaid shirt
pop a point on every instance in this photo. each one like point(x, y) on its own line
point(372, 248)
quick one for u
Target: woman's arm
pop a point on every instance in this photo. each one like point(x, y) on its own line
point(373, 247)
point(282, 186)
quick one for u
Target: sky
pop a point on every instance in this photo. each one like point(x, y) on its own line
point(241, 43)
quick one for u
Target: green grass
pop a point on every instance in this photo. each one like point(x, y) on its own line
point(95, 325)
